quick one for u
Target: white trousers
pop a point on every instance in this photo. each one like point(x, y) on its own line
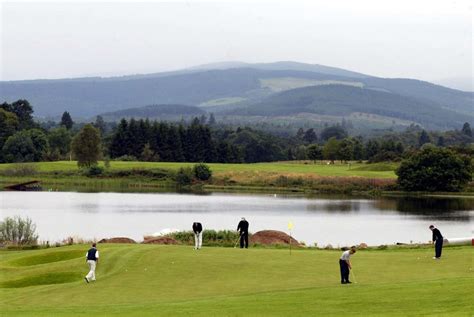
point(198, 240)
point(91, 275)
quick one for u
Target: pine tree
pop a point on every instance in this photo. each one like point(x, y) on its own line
point(119, 144)
point(466, 129)
point(310, 136)
point(424, 138)
point(212, 120)
point(100, 124)
point(66, 120)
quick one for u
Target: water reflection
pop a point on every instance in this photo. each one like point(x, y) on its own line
point(336, 206)
point(339, 221)
point(429, 207)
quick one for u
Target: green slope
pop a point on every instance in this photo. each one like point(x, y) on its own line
point(343, 100)
point(149, 280)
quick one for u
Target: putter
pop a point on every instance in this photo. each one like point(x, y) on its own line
point(238, 239)
point(353, 276)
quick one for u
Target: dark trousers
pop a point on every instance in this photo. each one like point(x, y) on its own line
point(344, 271)
point(244, 240)
point(438, 247)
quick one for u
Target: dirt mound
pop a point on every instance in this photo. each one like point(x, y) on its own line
point(269, 237)
point(160, 240)
point(117, 240)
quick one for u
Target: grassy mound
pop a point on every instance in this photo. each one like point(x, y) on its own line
point(47, 257)
point(156, 280)
point(42, 279)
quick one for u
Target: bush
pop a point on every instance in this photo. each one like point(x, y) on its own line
point(184, 177)
point(156, 173)
point(18, 231)
point(435, 169)
point(202, 172)
point(94, 171)
point(223, 238)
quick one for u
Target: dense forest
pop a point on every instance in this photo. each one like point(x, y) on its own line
point(203, 139)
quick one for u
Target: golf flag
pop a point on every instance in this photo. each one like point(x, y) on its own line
point(290, 225)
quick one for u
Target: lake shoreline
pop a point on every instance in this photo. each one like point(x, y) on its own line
point(131, 185)
point(303, 177)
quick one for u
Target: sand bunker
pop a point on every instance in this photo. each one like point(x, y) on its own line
point(117, 240)
point(160, 240)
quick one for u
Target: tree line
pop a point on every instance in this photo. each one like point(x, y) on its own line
point(24, 140)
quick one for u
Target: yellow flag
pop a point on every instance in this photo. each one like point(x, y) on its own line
point(290, 225)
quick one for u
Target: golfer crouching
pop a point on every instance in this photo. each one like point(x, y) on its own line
point(197, 229)
point(92, 258)
point(345, 264)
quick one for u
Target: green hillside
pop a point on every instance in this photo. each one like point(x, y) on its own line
point(343, 100)
point(227, 87)
point(151, 280)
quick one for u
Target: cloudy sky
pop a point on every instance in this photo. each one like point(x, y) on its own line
point(430, 40)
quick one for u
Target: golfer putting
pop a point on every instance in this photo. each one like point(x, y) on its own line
point(197, 229)
point(345, 265)
point(438, 242)
point(243, 229)
point(92, 258)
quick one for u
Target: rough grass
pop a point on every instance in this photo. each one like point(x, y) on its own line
point(152, 280)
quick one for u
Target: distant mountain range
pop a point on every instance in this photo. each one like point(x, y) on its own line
point(273, 90)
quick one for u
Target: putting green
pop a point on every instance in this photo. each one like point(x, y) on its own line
point(152, 280)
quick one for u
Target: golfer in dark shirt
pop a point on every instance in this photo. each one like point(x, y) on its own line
point(197, 229)
point(438, 241)
point(243, 229)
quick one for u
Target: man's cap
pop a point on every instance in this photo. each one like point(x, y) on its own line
point(432, 226)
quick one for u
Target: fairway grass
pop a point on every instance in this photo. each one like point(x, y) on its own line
point(354, 169)
point(153, 280)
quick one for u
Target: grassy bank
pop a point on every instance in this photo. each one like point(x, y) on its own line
point(289, 176)
point(151, 280)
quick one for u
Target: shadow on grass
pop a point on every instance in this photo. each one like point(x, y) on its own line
point(43, 279)
point(47, 258)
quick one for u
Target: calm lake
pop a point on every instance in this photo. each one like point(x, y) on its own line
point(316, 220)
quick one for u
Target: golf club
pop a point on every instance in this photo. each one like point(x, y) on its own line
point(353, 276)
point(238, 239)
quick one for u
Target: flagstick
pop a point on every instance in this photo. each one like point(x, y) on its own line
point(290, 242)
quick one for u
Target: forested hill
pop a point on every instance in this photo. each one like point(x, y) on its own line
point(228, 86)
point(342, 100)
point(161, 112)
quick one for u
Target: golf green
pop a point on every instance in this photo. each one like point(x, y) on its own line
point(152, 280)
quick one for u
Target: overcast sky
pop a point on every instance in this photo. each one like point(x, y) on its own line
point(428, 40)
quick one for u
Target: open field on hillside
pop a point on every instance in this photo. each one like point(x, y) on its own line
point(383, 170)
point(286, 83)
point(152, 280)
